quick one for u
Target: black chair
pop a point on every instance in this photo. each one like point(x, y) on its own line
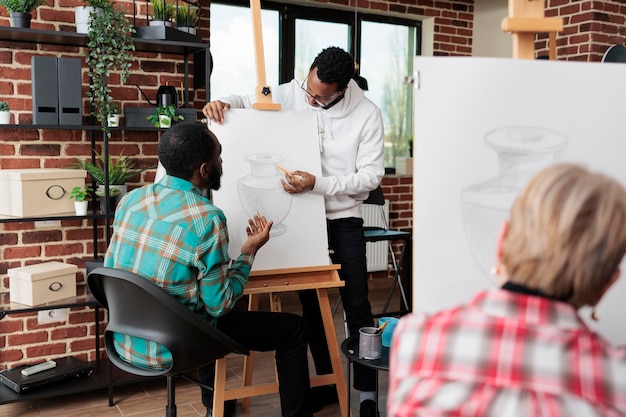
point(138, 307)
point(380, 234)
point(615, 53)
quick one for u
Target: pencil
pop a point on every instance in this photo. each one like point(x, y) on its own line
point(299, 177)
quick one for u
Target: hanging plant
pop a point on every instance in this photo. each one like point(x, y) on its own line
point(109, 49)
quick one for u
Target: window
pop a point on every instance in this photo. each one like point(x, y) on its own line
point(383, 47)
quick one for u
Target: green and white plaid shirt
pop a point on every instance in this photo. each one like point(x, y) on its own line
point(169, 233)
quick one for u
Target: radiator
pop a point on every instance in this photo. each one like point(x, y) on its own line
point(377, 252)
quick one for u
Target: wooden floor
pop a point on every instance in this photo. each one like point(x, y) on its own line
point(149, 399)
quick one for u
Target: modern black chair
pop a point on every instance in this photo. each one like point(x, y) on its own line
point(615, 53)
point(138, 307)
point(381, 234)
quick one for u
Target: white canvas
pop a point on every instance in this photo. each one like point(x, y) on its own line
point(482, 128)
point(266, 139)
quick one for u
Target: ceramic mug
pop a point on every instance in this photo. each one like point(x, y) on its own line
point(388, 330)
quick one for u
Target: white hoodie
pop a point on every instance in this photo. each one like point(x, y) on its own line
point(351, 139)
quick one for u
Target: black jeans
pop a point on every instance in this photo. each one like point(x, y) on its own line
point(265, 331)
point(347, 245)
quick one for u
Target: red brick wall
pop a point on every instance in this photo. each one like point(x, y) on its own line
point(21, 338)
point(590, 27)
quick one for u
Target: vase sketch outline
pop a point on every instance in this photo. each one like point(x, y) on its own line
point(522, 152)
point(260, 191)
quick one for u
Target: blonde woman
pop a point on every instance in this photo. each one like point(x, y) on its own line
point(523, 350)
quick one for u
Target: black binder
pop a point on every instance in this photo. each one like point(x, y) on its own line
point(68, 368)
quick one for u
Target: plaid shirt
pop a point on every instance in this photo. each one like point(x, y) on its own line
point(505, 354)
point(169, 233)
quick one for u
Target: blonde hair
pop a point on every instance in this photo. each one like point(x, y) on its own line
point(567, 234)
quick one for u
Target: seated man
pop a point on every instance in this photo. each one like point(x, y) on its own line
point(170, 233)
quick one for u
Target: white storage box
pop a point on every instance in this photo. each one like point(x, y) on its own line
point(38, 192)
point(42, 283)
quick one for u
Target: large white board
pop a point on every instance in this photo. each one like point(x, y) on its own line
point(253, 143)
point(482, 128)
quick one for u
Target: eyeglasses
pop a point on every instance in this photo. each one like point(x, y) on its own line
point(324, 102)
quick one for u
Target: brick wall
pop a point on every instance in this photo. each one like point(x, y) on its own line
point(590, 27)
point(22, 339)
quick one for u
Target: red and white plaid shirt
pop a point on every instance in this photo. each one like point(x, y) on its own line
point(505, 354)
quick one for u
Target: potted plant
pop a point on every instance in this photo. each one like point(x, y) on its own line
point(113, 119)
point(109, 49)
point(114, 194)
point(82, 14)
point(5, 113)
point(164, 116)
point(162, 13)
point(120, 169)
point(186, 18)
point(80, 194)
point(20, 11)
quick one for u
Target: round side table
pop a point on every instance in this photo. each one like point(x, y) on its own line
point(350, 349)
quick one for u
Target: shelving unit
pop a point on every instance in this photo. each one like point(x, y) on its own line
point(103, 376)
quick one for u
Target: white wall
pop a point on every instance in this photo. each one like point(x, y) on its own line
point(489, 40)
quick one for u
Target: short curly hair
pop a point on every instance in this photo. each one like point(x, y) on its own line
point(334, 65)
point(185, 147)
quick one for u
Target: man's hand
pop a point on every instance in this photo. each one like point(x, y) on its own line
point(214, 110)
point(258, 231)
point(298, 182)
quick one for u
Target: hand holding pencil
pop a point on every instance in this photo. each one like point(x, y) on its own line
point(297, 181)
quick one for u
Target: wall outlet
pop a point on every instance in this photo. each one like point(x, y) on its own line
point(51, 316)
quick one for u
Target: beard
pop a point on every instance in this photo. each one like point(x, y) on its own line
point(215, 179)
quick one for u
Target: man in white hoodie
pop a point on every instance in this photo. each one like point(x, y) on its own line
point(351, 136)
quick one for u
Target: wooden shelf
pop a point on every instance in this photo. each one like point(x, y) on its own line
point(52, 37)
point(99, 379)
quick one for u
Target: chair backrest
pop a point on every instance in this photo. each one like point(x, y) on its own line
point(139, 307)
point(376, 197)
point(615, 53)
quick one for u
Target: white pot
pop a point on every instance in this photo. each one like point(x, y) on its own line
point(81, 15)
point(5, 117)
point(81, 207)
point(165, 121)
point(113, 120)
point(187, 29)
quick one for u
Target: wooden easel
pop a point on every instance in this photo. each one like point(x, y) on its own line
point(276, 281)
point(526, 18)
point(263, 91)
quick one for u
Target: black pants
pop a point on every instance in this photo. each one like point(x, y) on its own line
point(347, 245)
point(265, 331)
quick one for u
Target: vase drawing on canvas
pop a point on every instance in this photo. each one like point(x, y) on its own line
point(261, 191)
point(522, 151)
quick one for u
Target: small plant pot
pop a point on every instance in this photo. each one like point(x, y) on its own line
point(113, 120)
point(81, 207)
point(5, 117)
point(81, 16)
point(20, 20)
point(165, 121)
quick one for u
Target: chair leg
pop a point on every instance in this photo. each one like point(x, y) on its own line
point(170, 409)
point(397, 278)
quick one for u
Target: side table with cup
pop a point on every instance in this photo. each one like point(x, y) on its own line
point(369, 348)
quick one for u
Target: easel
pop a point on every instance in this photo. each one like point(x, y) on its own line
point(277, 281)
point(263, 91)
point(526, 18)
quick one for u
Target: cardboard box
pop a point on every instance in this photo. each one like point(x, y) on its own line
point(42, 283)
point(38, 192)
